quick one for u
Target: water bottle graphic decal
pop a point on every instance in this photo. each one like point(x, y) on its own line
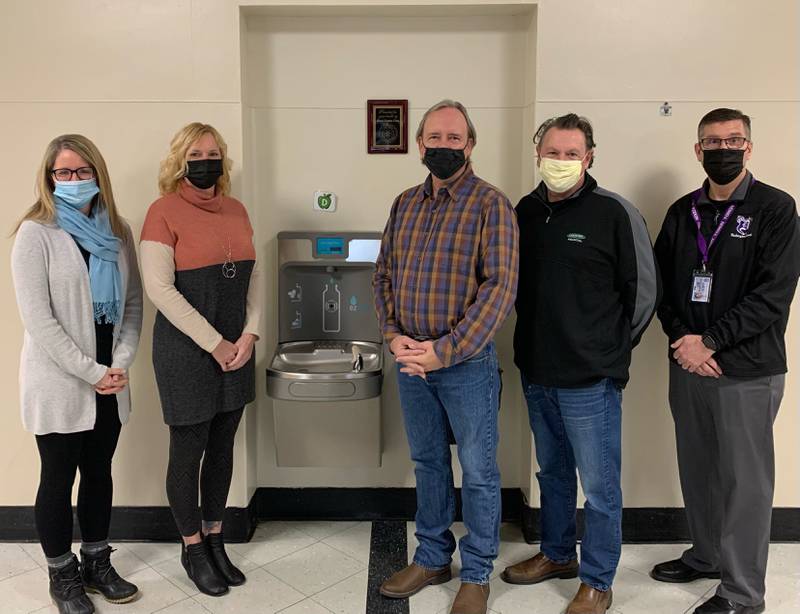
point(331, 309)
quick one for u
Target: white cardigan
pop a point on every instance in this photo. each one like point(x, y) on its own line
point(58, 367)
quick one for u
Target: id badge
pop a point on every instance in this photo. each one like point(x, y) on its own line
point(701, 286)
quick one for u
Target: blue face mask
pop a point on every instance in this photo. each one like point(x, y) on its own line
point(76, 194)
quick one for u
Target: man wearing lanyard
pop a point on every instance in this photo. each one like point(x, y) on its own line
point(730, 258)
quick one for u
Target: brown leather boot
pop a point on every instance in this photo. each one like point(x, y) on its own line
point(589, 600)
point(412, 579)
point(538, 569)
point(471, 599)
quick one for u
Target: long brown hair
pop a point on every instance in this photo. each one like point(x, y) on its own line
point(44, 209)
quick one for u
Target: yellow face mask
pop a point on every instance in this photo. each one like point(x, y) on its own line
point(560, 175)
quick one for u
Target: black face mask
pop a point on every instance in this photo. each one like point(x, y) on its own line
point(723, 165)
point(443, 162)
point(203, 174)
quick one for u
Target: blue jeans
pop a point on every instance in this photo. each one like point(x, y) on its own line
point(579, 428)
point(465, 394)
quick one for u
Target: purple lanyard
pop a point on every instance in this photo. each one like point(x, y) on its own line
point(703, 246)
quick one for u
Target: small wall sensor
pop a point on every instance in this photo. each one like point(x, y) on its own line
point(665, 110)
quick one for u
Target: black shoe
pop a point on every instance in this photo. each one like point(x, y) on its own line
point(216, 550)
point(720, 605)
point(66, 589)
point(99, 576)
point(201, 570)
point(678, 571)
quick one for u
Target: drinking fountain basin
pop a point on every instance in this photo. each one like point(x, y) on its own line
point(326, 370)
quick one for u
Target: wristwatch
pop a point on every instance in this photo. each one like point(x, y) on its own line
point(709, 342)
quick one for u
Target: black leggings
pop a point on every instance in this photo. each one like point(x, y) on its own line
point(61, 454)
point(212, 442)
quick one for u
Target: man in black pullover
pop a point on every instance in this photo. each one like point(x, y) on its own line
point(588, 288)
point(729, 254)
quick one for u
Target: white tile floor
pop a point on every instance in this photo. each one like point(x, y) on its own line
point(321, 568)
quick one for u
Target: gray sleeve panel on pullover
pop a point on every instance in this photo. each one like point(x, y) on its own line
point(646, 272)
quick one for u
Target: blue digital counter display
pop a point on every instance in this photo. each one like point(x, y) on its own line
point(330, 246)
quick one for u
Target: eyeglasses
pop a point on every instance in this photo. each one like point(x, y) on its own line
point(65, 174)
point(734, 142)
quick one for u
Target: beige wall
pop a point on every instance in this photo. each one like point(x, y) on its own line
point(135, 72)
point(616, 63)
point(306, 82)
point(153, 65)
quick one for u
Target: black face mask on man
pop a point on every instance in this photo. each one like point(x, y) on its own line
point(443, 162)
point(723, 165)
point(203, 174)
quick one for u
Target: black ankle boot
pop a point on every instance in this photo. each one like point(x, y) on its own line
point(216, 549)
point(66, 589)
point(99, 576)
point(201, 570)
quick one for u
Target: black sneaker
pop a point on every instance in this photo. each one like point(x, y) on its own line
point(66, 589)
point(99, 576)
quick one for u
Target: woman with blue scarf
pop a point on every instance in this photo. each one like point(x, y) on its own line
point(80, 299)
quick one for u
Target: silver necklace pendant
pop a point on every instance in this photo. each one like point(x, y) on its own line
point(228, 266)
point(228, 269)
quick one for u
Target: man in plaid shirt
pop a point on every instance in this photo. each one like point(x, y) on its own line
point(446, 280)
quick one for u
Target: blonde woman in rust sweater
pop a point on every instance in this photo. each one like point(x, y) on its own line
point(200, 271)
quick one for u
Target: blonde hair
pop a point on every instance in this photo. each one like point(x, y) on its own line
point(44, 209)
point(173, 167)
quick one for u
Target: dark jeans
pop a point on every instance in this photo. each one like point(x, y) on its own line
point(61, 455)
point(579, 429)
point(466, 396)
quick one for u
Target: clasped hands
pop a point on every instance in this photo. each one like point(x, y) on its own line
point(417, 357)
point(233, 356)
point(692, 354)
point(112, 382)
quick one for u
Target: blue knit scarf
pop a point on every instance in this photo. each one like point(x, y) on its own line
point(93, 233)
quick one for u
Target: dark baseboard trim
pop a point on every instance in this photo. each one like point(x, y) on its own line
point(146, 523)
point(155, 523)
point(665, 524)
